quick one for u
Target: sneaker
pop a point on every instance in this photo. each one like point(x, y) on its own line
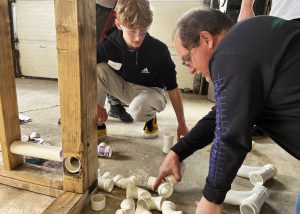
point(101, 132)
point(151, 129)
point(257, 133)
point(118, 111)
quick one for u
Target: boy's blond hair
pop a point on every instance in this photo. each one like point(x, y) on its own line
point(134, 13)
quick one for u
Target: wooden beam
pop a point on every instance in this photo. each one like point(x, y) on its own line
point(9, 114)
point(69, 203)
point(30, 186)
point(76, 48)
point(38, 175)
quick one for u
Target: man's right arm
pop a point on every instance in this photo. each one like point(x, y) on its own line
point(200, 136)
point(246, 10)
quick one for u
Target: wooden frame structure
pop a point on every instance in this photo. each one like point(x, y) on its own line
point(76, 46)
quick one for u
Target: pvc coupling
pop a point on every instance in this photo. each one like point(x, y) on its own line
point(165, 189)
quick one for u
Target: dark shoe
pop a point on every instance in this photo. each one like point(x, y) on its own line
point(257, 133)
point(151, 129)
point(101, 132)
point(118, 111)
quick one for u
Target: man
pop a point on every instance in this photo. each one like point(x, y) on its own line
point(137, 68)
point(255, 70)
point(104, 22)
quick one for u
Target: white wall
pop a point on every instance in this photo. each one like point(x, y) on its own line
point(36, 33)
point(166, 13)
point(37, 39)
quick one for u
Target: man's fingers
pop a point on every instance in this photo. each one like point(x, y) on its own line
point(157, 182)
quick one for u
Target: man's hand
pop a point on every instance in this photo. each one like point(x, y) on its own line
point(182, 130)
point(206, 207)
point(170, 166)
point(102, 114)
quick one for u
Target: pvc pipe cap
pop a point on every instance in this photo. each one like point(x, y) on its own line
point(98, 202)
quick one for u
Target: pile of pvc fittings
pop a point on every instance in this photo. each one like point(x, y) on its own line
point(138, 190)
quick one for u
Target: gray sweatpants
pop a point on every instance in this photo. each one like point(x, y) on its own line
point(143, 101)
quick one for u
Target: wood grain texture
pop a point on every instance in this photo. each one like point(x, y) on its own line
point(36, 175)
point(9, 114)
point(76, 52)
point(69, 203)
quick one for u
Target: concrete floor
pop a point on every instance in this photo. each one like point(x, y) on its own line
point(134, 155)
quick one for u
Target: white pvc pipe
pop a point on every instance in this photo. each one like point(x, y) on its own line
point(122, 182)
point(250, 201)
point(72, 164)
point(135, 192)
point(36, 150)
point(258, 175)
point(164, 189)
point(168, 207)
point(153, 203)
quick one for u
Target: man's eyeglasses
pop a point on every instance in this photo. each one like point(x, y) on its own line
point(133, 32)
point(188, 55)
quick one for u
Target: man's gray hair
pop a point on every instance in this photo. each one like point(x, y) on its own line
point(194, 21)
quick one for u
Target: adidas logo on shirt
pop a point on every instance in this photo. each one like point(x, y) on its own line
point(145, 71)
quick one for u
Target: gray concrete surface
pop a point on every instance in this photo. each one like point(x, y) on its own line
point(134, 155)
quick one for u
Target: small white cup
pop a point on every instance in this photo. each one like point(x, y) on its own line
point(168, 142)
point(98, 202)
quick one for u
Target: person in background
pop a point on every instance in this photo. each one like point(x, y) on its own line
point(137, 69)
point(285, 9)
point(105, 19)
point(254, 67)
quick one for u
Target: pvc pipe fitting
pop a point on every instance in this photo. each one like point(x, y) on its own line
point(164, 189)
point(122, 182)
point(106, 184)
point(34, 135)
point(98, 202)
point(104, 151)
point(153, 203)
point(171, 179)
point(258, 175)
point(128, 204)
point(72, 164)
point(108, 175)
point(261, 176)
point(135, 192)
point(127, 207)
point(142, 210)
point(250, 201)
point(168, 207)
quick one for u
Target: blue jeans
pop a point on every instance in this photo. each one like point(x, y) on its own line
point(297, 206)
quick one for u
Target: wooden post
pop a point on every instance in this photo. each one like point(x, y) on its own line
point(76, 47)
point(9, 114)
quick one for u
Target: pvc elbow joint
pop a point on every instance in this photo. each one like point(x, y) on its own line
point(135, 192)
point(250, 201)
point(168, 207)
point(122, 182)
point(153, 203)
point(165, 189)
point(258, 175)
point(127, 207)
